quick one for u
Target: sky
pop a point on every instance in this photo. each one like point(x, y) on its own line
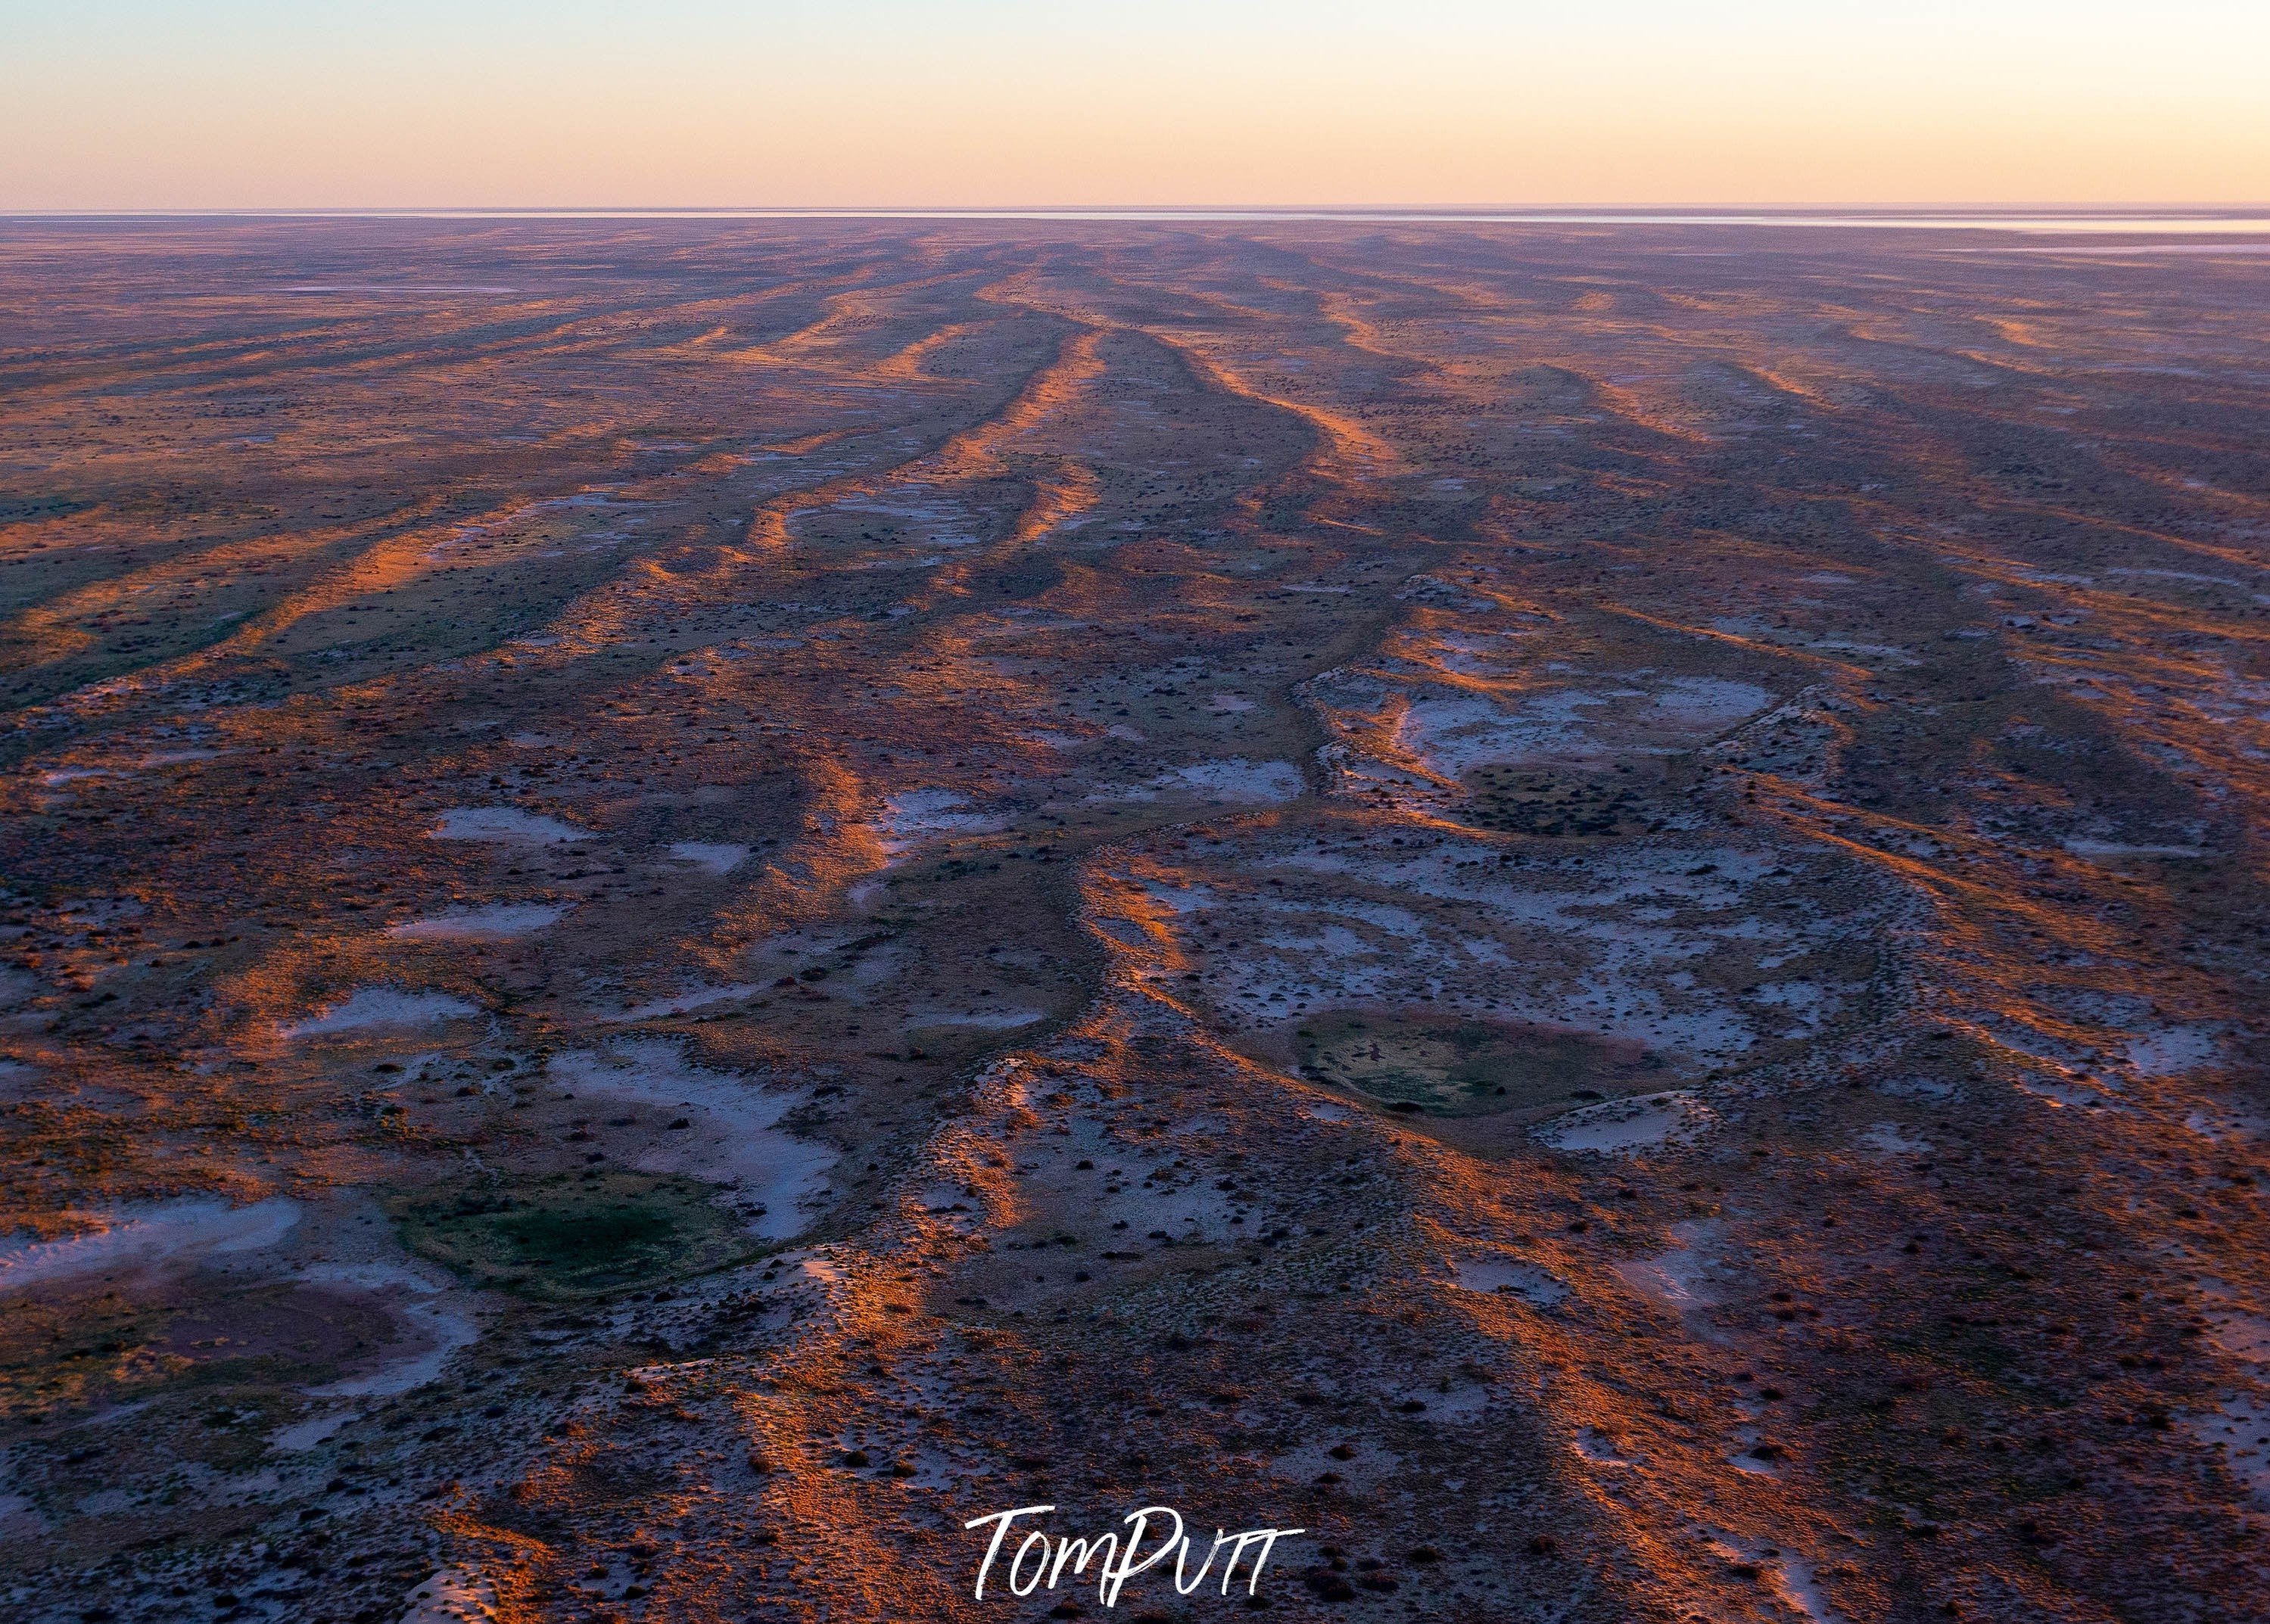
point(159, 104)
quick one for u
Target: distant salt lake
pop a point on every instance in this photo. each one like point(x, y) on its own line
point(2124, 222)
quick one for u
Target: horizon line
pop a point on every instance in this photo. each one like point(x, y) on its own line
point(2250, 218)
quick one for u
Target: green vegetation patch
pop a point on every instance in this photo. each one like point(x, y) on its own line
point(1557, 803)
point(569, 1235)
point(1471, 1068)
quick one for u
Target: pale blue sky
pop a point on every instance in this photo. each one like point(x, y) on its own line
point(119, 103)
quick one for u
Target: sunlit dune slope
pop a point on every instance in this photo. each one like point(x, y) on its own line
point(686, 901)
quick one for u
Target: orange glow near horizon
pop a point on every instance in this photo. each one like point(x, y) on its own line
point(1013, 103)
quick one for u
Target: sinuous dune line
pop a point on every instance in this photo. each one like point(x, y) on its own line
point(1567, 905)
point(54, 630)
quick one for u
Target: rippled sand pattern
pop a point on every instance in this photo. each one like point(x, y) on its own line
point(1579, 907)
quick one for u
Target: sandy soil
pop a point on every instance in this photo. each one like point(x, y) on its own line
point(1580, 909)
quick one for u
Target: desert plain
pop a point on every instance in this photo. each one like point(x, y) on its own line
point(1581, 907)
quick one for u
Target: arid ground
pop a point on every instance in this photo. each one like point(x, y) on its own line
point(1582, 908)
